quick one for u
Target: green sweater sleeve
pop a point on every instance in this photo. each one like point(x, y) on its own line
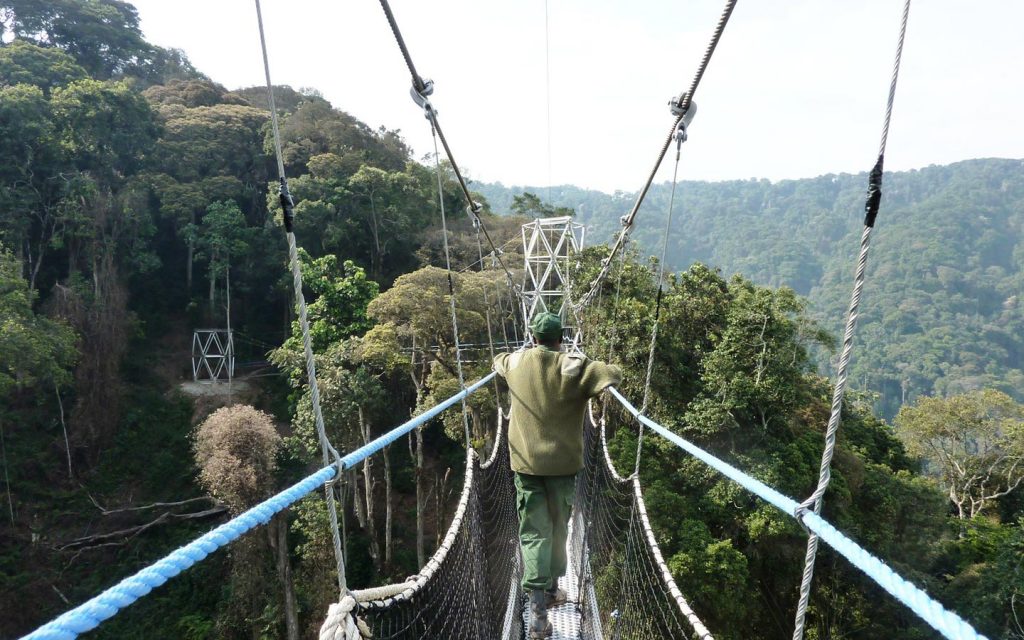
point(598, 376)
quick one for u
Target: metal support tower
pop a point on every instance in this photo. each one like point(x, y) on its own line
point(550, 246)
point(213, 355)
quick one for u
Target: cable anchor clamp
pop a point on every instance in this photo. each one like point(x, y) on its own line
point(675, 105)
point(421, 98)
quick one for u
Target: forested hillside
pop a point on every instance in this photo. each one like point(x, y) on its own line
point(942, 311)
point(139, 202)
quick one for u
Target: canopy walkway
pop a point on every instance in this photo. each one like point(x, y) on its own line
point(618, 584)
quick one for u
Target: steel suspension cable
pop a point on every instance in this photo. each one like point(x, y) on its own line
point(680, 107)
point(451, 291)
point(874, 197)
point(422, 89)
point(288, 212)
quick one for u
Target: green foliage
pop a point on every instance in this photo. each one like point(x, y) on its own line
point(974, 444)
point(337, 310)
point(24, 63)
point(529, 205)
point(33, 350)
point(107, 127)
point(222, 236)
point(102, 35)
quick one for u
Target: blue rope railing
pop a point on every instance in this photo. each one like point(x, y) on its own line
point(106, 605)
point(945, 622)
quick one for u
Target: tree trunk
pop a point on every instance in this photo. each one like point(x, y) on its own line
point(188, 262)
point(213, 288)
point(387, 507)
point(374, 228)
point(357, 504)
point(63, 423)
point(421, 554)
point(278, 533)
point(229, 348)
point(7, 477)
point(416, 444)
point(371, 525)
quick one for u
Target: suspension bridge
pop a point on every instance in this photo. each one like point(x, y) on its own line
point(618, 583)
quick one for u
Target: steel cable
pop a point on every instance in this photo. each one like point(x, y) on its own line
point(300, 302)
point(814, 502)
point(682, 105)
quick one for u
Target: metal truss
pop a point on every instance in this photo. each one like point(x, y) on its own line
point(550, 246)
point(213, 355)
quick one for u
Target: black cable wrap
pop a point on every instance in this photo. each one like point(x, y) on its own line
point(287, 206)
point(874, 193)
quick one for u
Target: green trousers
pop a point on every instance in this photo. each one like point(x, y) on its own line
point(545, 503)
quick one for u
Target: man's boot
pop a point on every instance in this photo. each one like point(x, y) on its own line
point(539, 626)
point(555, 597)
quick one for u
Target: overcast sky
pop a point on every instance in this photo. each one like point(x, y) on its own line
point(796, 89)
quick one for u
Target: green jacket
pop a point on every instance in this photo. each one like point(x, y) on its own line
point(549, 393)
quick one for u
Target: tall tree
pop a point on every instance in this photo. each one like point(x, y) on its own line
point(223, 235)
point(236, 452)
point(973, 443)
point(102, 35)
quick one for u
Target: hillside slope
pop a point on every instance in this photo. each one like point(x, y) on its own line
point(942, 310)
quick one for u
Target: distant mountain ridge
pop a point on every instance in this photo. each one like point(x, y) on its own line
point(942, 309)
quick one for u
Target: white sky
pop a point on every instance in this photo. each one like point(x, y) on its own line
point(796, 89)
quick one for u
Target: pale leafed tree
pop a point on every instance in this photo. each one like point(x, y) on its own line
point(974, 443)
point(236, 452)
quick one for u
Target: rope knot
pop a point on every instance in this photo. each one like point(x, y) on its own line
point(342, 624)
point(803, 509)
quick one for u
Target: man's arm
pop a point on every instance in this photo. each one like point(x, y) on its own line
point(501, 364)
point(598, 376)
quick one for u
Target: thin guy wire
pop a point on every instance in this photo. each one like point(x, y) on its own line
point(547, 87)
point(300, 301)
point(451, 289)
point(825, 474)
point(487, 312)
point(615, 316)
point(683, 104)
point(657, 308)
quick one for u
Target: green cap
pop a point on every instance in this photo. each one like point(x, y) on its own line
point(546, 327)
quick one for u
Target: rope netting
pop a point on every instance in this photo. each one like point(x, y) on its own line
point(626, 589)
point(470, 587)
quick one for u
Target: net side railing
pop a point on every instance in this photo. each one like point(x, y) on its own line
point(626, 590)
point(469, 589)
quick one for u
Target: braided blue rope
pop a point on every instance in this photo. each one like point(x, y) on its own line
point(945, 622)
point(106, 605)
point(89, 615)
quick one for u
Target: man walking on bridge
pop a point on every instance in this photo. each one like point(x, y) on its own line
point(549, 392)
